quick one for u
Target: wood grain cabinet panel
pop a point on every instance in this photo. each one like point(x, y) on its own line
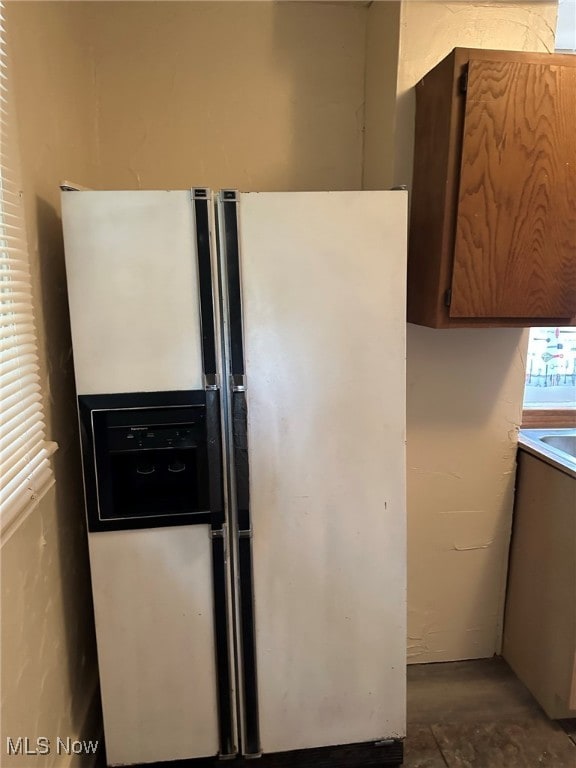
point(493, 220)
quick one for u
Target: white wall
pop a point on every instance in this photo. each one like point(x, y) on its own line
point(465, 387)
point(250, 95)
point(49, 680)
point(382, 40)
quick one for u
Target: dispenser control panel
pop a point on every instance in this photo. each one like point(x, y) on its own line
point(132, 438)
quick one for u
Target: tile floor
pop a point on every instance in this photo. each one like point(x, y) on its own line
point(476, 714)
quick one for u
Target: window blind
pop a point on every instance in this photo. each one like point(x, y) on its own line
point(25, 470)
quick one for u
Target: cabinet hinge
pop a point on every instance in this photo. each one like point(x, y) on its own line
point(463, 82)
point(448, 297)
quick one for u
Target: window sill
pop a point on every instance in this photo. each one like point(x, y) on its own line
point(554, 418)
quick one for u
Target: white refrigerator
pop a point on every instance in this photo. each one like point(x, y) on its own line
point(240, 371)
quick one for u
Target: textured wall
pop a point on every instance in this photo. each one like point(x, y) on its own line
point(251, 95)
point(382, 40)
point(48, 657)
point(465, 388)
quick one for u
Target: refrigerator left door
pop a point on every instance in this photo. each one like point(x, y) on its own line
point(133, 291)
point(144, 331)
point(153, 607)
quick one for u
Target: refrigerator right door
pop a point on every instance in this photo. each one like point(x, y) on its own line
point(323, 295)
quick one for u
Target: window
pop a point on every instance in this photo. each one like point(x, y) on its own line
point(550, 390)
point(25, 471)
point(566, 26)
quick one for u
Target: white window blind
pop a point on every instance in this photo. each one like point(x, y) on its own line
point(25, 471)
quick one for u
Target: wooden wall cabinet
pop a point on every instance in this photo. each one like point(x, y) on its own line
point(493, 208)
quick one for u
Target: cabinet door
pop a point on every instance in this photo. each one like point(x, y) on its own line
point(515, 249)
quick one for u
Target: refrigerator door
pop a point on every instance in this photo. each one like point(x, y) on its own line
point(146, 352)
point(153, 610)
point(323, 298)
point(133, 291)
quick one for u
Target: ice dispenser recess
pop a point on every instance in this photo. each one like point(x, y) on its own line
point(150, 464)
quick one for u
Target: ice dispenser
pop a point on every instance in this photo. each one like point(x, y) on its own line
point(146, 459)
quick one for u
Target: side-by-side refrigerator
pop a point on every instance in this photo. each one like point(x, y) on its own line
point(240, 371)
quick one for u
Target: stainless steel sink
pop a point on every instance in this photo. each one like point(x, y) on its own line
point(556, 446)
point(566, 443)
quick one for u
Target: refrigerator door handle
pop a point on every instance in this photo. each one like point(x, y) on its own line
point(226, 715)
point(201, 198)
point(251, 745)
point(230, 275)
point(211, 381)
point(238, 382)
point(230, 255)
